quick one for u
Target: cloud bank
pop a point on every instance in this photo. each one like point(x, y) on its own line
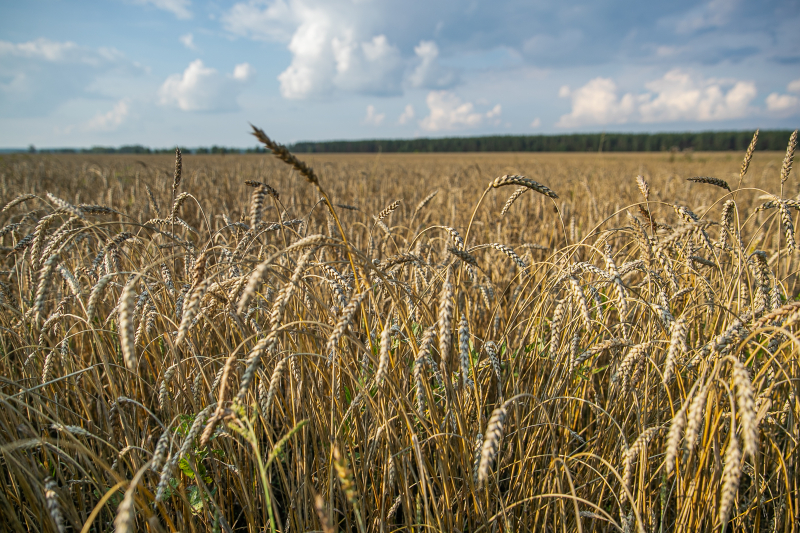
point(677, 96)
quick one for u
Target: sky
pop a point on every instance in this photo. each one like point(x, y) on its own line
point(195, 72)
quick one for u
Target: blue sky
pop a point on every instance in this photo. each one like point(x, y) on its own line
point(195, 72)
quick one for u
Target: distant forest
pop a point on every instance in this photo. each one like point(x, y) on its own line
point(578, 142)
point(581, 142)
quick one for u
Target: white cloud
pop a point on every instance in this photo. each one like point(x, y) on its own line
point(408, 114)
point(782, 102)
point(448, 112)
point(337, 45)
point(202, 88)
point(785, 104)
point(677, 96)
point(429, 74)
point(188, 41)
point(372, 67)
point(495, 111)
point(243, 72)
point(681, 96)
point(536, 122)
point(596, 103)
point(373, 118)
point(180, 8)
point(111, 120)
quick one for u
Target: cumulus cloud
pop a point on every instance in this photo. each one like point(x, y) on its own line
point(448, 112)
point(536, 122)
point(373, 118)
point(188, 41)
point(338, 45)
point(596, 102)
point(179, 8)
point(243, 72)
point(111, 120)
point(677, 96)
point(38, 76)
point(429, 74)
point(681, 96)
point(407, 116)
point(201, 88)
point(785, 104)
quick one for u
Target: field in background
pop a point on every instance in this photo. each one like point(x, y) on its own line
point(614, 356)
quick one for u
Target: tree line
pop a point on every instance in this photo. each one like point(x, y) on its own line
point(578, 142)
point(712, 141)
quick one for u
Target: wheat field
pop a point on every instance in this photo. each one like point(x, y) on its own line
point(440, 342)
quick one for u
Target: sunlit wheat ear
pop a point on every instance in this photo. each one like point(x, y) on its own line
point(639, 445)
point(383, 359)
point(127, 302)
point(390, 514)
point(674, 438)
point(274, 382)
point(45, 279)
point(726, 222)
point(176, 205)
point(477, 452)
point(511, 199)
point(677, 346)
point(419, 366)
point(445, 317)
point(348, 313)
point(176, 180)
point(190, 310)
point(731, 473)
point(388, 210)
point(53, 505)
point(695, 416)
point(747, 408)
point(257, 199)
point(491, 443)
point(227, 370)
point(786, 168)
point(523, 182)
point(509, 252)
point(163, 390)
point(579, 297)
point(425, 201)
point(748, 156)
point(788, 227)
point(160, 452)
point(169, 467)
point(644, 188)
point(491, 352)
point(18, 200)
point(555, 326)
point(636, 356)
